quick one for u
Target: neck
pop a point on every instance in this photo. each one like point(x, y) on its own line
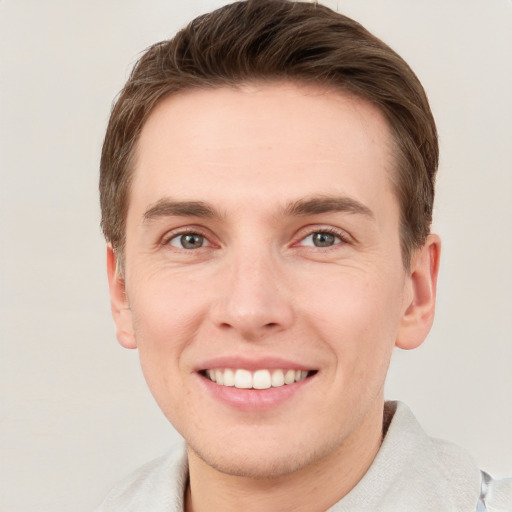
point(313, 488)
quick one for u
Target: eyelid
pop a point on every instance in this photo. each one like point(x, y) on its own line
point(301, 235)
point(185, 230)
point(337, 232)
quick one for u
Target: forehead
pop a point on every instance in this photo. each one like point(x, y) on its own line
point(279, 140)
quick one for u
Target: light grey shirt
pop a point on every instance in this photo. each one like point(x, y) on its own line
point(411, 472)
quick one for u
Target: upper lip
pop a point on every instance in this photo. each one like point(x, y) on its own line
point(251, 363)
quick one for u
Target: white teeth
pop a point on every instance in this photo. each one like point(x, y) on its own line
point(277, 378)
point(289, 377)
point(243, 379)
point(229, 378)
point(260, 379)
point(300, 375)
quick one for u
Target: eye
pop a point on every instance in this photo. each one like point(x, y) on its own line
point(321, 239)
point(188, 241)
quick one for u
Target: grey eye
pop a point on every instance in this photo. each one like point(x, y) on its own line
point(188, 241)
point(321, 239)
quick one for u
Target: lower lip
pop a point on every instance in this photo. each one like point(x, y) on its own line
point(254, 399)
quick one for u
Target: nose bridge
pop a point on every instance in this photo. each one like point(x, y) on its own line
point(252, 297)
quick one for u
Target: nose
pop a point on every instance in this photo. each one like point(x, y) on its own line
point(252, 299)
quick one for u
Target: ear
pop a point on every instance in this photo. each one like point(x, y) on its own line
point(120, 308)
point(421, 298)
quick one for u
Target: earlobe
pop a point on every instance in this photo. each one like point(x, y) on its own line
point(419, 311)
point(118, 303)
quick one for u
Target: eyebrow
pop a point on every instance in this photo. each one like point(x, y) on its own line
point(300, 208)
point(327, 204)
point(169, 208)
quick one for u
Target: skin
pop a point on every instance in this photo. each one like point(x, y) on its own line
point(259, 287)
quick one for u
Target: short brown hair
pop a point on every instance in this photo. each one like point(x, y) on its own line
point(278, 40)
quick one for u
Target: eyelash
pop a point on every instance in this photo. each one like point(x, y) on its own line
point(344, 239)
point(175, 234)
point(195, 231)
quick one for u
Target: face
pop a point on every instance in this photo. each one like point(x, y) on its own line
point(263, 251)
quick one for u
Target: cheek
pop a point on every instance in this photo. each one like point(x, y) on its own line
point(165, 307)
point(166, 317)
point(358, 317)
point(353, 299)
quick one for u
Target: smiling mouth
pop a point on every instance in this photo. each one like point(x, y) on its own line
point(259, 379)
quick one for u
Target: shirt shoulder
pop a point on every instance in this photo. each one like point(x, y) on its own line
point(496, 494)
point(158, 486)
point(413, 471)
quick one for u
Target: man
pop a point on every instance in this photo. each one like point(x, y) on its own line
point(267, 183)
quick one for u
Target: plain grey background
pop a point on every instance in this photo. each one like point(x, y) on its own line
point(75, 414)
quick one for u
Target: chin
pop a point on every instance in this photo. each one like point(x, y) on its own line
point(252, 462)
point(251, 467)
